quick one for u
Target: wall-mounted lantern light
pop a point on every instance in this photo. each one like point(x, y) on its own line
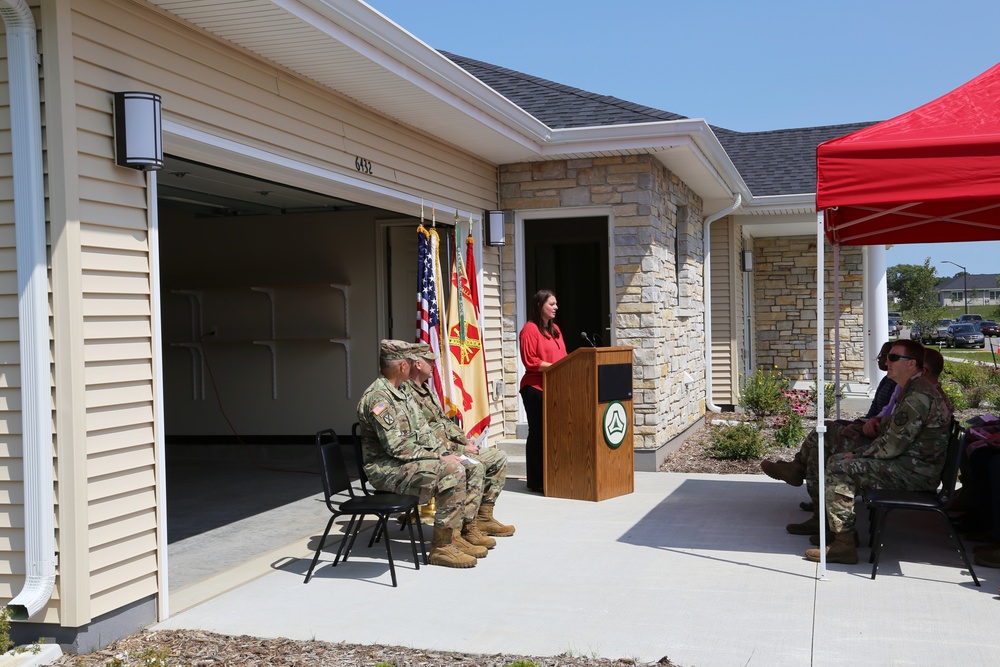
point(748, 260)
point(496, 234)
point(138, 141)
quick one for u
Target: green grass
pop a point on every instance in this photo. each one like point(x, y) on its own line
point(974, 354)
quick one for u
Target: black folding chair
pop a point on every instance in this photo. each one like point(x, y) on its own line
point(369, 490)
point(882, 501)
point(336, 481)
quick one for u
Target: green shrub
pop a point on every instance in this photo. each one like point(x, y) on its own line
point(523, 663)
point(739, 442)
point(966, 375)
point(977, 395)
point(789, 431)
point(829, 397)
point(955, 395)
point(763, 393)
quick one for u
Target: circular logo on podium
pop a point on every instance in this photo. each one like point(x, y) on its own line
point(615, 424)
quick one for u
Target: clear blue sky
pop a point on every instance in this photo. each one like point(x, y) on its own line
point(746, 66)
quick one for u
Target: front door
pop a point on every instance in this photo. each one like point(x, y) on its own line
point(570, 257)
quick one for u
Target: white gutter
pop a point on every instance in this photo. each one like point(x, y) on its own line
point(707, 279)
point(33, 311)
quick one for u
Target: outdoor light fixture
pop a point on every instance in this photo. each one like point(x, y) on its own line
point(495, 227)
point(748, 260)
point(138, 142)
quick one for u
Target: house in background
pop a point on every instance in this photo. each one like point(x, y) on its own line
point(245, 286)
point(976, 289)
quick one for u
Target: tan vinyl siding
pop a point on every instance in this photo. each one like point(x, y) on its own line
point(211, 86)
point(725, 296)
point(492, 332)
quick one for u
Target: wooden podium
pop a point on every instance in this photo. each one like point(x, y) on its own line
point(581, 392)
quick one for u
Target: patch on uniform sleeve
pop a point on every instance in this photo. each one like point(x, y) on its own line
point(900, 418)
point(383, 414)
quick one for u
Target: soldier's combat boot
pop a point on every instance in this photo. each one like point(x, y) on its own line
point(789, 472)
point(445, 553)
point(467, 547)
point(476, 537)
point(843, 550)
point(491, 526)
point(808, 527)
point(831, 536)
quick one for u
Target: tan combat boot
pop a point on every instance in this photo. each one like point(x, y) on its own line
point(467, 547)
point(491, 526)
point(475, 537)
point(831, 536)
point(445, 553)
point(843, 550)
point(789, 472)
point(808, 527)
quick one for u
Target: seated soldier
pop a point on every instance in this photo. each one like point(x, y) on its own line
point(908, 453)
point(402, 455)
point(795, 474)
point(491, 461)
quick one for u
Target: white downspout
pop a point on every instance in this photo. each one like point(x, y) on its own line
point(33, 311)
point(707, 279)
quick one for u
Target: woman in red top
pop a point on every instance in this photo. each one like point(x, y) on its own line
point(541, 345)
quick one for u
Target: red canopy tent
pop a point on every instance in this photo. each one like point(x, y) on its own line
point(928, 175)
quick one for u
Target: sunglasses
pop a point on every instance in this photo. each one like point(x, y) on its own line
point(897, 357)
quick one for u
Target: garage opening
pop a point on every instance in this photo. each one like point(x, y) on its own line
point(270, 327)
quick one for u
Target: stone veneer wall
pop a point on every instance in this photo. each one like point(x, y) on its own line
point(785, 307)
point(659, 302)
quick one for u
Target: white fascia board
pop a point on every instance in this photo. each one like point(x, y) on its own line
point(692, 133)
point(386, 44)
point(781, 203)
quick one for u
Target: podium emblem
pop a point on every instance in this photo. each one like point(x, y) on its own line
point(615, 424)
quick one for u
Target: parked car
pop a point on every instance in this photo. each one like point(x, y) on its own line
point(896, 316)
point(989, 328)
point(935, 334)
point(893, 328)
point(970, 317)
point(964, 334)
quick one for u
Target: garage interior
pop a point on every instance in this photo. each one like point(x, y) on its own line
point(268, 294)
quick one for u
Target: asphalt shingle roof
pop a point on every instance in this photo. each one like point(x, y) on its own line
point(776, 162)
point(975, 281)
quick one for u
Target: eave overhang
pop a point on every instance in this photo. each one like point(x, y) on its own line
point(350, 48)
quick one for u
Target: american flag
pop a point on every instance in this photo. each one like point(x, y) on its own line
point(428, 310)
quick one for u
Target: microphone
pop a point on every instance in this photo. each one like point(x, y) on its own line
point(583, 335)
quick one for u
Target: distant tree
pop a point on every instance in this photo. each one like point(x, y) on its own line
point(913, 285)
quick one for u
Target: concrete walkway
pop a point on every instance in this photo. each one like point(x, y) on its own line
point(694, 567)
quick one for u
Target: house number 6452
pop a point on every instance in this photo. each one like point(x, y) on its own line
point(363, 165)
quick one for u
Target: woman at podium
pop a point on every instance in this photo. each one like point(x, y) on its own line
point(541, 344)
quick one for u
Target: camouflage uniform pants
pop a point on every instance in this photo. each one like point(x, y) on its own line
point(445, 481)
point(846, 478)
point(474, 480)
point(839, 439)
point(494, 465)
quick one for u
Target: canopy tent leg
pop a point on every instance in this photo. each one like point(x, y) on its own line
point(820, 386)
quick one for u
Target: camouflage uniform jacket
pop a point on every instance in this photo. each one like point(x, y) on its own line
point(392, 430)
point(915, 436)
point(447, 431)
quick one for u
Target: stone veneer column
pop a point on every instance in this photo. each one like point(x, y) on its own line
point(785, 308)
point(658, 290)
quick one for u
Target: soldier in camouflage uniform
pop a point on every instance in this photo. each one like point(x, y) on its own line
point(402, 455)
point(908, 453)
point(490, 463)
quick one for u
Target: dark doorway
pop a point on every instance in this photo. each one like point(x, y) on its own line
point(570, 257)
